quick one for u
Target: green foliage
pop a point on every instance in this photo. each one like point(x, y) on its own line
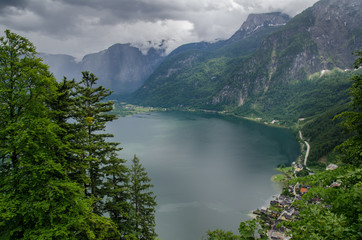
point(317, 222)
point(91, 116)
point(117, 195)
point(142, 200)
point(324, 133)
point(247, 229)
point(220, 234)
point(38, 200)
point(192, 77)
point(59, 174)
point(352, 148)
point(301, 99)
point(337, 216)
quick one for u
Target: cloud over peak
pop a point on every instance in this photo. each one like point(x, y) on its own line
point(78, 27)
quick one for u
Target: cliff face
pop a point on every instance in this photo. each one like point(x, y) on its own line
point(337, 30)
point(121, 68)
point(193, 73)
point(322, 37)
point(257, 22)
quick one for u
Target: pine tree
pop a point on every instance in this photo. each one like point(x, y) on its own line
point(63, 105)
point(37, 199)
point(117, 195)
point(142, 200)
point(91, 115)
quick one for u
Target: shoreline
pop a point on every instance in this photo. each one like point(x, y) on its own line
point(130, 110)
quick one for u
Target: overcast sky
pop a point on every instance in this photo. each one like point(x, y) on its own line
point(79, 27)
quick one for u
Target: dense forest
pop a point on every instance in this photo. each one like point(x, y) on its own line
point(60, 174)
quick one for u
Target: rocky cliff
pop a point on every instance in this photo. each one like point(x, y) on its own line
point(121, 68)
point(322, 37)
point(257, 22)
point(193, 73)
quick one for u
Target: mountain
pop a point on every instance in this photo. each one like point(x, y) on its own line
point(258, 21)
point(122, 68)
point(193, 73)
point(320, 38)
point(261, 62)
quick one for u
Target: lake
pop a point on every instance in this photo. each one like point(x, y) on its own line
point(208, 172)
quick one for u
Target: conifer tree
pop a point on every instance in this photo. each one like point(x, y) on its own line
point(116, 202)
point(63, 105)
point(91, 115)
point(37, 199)
point(142, 200)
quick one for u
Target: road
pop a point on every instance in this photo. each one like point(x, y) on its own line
point(308, 149)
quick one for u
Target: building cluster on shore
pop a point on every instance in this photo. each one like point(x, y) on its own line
point(281, 209)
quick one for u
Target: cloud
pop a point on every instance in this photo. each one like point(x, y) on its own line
point(14, 3)
point(78, 27)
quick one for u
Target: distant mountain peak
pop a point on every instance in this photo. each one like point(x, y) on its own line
point(158, 46)
point(259, 21)
point(255, 21)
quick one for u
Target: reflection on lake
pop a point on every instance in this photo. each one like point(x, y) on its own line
point(208, 172)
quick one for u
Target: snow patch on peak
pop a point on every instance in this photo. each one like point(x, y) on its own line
point(256, 21)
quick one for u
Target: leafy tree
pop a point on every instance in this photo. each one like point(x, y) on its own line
point(318, 222)
point(352, 148)
point(220, 234)
point(337, 215)
point(37, 199)
point(142, 200)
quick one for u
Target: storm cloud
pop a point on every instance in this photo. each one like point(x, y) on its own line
point(78, 27)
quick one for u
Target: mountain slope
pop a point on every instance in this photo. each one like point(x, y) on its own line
point(193, 73)
point(251, 79)
point(311, 42)
point(122, 67)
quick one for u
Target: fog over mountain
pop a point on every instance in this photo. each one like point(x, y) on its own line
point(80, 27)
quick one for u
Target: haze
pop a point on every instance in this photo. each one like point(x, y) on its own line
point(79, 27)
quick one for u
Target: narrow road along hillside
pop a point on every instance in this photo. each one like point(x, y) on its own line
point(308, 149)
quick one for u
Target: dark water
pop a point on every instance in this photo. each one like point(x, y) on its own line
point(208, 172)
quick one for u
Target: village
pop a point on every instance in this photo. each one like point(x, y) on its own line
point(282, 209)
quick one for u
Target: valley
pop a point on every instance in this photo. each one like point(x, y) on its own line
point(212, 122)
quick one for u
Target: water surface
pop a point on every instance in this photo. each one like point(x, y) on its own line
point(209, 172)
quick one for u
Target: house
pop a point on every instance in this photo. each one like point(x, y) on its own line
point(331, 167)
point(299, 168)
point(303, 190)
point(278, 235)
point(336, 184)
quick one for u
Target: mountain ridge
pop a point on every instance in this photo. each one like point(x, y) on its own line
point(193, 72)
point(122, 67)
point(306, 45)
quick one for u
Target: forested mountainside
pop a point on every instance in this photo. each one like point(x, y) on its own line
point(193, 73)
point(325, 204)
point(270, 72)
point(251, 73)
point(122, 67)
